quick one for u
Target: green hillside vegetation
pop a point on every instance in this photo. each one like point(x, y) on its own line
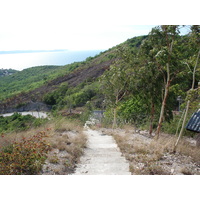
point(29, 79)
point(6, 72)
point(17, 122)
point(142, 87)
point(35, 77)
point(136, 82)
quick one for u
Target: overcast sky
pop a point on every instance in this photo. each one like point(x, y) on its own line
point(74, 24)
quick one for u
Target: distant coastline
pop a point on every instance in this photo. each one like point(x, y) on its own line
point(22, 59)
point(32, 51)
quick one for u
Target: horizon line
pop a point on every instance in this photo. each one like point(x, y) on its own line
point(41, 51)
point(31, 51)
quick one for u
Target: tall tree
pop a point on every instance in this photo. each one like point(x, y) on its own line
point(195, 41)
point(149, 77)
point(115, 82)
point(166, 56)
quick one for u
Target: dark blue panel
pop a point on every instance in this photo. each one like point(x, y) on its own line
point(194, 122)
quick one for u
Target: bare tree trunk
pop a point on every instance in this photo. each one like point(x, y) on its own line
point(165, 95)
point(188, 104)
point(114, 118)
point(183, 125)
point(115, 112)
point(152, 118)
point(162, 109)
point(179, 123)
point(194, 71)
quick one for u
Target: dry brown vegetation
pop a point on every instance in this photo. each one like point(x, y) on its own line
point(67, 142)
point(148, 156)
point(65, 139)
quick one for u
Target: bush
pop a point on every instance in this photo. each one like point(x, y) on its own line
point(25, 157)
point(17, 122)
point(171, 127)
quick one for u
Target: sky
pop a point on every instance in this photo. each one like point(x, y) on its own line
point(75, 24)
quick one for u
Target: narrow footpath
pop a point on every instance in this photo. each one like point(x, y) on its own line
point(102, 156)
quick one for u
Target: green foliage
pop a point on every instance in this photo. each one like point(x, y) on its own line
point(85, 115)
point(134, 82)
point(25, 157)
point(52, 98)
point(163, 58)
point(6, 72)
point(171, 126)
point(72, 97)
point(134, 110)
point(31, 78)
point(18, 122)
point(108, 117)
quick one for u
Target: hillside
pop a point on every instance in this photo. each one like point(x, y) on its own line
point(143, 77)
point(27, 80)
point(142, 92)
point(6, 72)
point(30, 85)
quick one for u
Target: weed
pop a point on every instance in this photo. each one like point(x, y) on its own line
point(53, 159)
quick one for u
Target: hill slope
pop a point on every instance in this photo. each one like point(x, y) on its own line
point(31, 85)
point(6, 72)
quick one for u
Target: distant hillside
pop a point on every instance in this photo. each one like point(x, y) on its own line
point(7, 72)
point(26, 80)
point(34, 84)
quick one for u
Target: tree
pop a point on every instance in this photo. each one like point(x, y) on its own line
point(115, 82)
point(149, 76)
point(133, 110)
point(166, 55)
point(195, 39)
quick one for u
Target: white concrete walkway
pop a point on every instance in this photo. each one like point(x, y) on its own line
point(33, 113)
point(102, 156)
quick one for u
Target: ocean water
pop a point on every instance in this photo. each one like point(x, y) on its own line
point(20, 61)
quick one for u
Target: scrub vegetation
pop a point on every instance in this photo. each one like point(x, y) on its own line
point(149, 82)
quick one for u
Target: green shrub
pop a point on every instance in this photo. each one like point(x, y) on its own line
point(171, 127)
point(18, 122)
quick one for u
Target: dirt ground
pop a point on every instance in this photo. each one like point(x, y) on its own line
point(148, 156)
point(67, 148)
point(145, 155)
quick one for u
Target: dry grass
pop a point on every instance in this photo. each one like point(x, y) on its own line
point(68, 142)
point(10, 138)
point(63, 136)
point(149, 156)
point(61, 125)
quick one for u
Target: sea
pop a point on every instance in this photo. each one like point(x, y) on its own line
point(20, 60)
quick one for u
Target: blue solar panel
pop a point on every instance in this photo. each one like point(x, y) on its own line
point(194, 122)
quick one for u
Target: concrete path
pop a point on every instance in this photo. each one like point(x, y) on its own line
point(102, 156)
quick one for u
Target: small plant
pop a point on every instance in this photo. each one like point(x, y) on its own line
point(24, 157)
point(53, 159)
